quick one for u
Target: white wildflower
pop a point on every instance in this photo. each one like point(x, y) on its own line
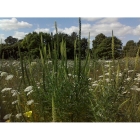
point(3, 102)
point(106, 66)
point(138, 75)
point(101, 76)
point(135, 79)
point(120, 74)
point(134, 87)
point(49, 62)
point(29, 88)
point(89, 79)
point(20, 77)
point(30, 102)
point(138, 79)
point(125, 69)
point(95, 82)
point(69, 74)
point(94, 85)
point(74, 76)
point(137, 89)
point(130, 71)
point(128, 79)
point(4, 74)
point(18, 115)
point(109, 61)
point(9, 77)
point(107, 79)
point(107, 73)
point(14, 102)
point(29, 92)
point(124, 92)
point(33, 63)
point(6, 89)
point(90, 89)
point(7, 116)
point(15, 92)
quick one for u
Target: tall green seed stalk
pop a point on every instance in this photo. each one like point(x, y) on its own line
point(87, 62)
point(43, 58)
point(137, 59)
point(22, 67)
point(0, 52)
point(117, 76)
point(63, 56)
point(57, 41)
point(53, 109)
point(55, 75)
point(79, 56)
point(113, 47)
point(75, 58)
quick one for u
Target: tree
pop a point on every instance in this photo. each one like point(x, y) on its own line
point(138, 43)
point(32, 42)
point(70, 44)
point(98, 40)
point(104, 49)
point(130, 48)
point(84, 46)
point(10, 40)
point(130, 45)
point(69, 39)
point(95, 43)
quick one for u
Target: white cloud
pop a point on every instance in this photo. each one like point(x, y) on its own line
point(108, 20)
point(67, 30)
point(118, 28)
point(19, 35)
point(12, 24)
point(90, 19)
point(44, 30)
point(104, 26)
point(136, 31)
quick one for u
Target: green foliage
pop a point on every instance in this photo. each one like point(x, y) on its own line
point(131, 48)
point(104, 49)
point(30, 45)
point(98, 40)
point(31, 42)
point(112, 46)
point(10, 40)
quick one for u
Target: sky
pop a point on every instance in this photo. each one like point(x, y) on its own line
point(124, 28)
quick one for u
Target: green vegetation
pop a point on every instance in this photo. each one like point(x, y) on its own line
point(43, 85)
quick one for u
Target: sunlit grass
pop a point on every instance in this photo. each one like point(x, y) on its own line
point(111, 93)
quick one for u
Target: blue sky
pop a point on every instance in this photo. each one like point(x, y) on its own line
point(124, 28)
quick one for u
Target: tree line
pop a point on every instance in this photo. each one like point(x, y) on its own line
point(101, 45)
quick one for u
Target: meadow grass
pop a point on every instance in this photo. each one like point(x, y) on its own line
point(60, 90)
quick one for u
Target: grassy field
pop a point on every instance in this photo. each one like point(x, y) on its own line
point(105, 91)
